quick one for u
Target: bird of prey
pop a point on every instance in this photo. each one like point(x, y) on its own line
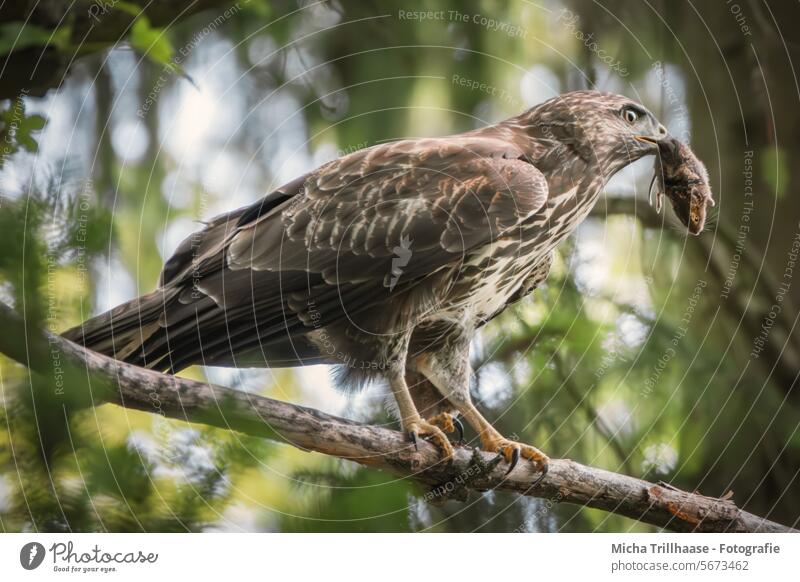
point(387, 260)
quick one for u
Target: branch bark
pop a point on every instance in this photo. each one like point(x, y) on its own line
point(659, 504)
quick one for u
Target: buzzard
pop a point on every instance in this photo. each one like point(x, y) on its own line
point(386, 261)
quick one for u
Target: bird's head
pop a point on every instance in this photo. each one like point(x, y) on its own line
point(611, 130)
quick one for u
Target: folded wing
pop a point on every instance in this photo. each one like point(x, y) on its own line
point(328, 243)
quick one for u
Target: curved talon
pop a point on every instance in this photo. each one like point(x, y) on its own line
point(512, 452)
point(421, 428)
point(460, 429)
point(514, 460)
point(540, 478)
point(413, 435)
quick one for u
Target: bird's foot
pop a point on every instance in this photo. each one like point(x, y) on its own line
point(422, 428)
point(511, 451)
point(449, 424)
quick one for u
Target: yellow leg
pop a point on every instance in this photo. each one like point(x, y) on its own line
point(412, 422)
point(450, 375)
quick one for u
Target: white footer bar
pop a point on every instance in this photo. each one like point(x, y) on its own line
point(356, 557)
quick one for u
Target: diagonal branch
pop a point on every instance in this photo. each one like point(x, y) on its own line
point(311, 430)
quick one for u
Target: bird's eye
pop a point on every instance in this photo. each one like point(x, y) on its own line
point(629, 115)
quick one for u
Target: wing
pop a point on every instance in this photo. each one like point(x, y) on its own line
point(437, 198)
point(334, 238)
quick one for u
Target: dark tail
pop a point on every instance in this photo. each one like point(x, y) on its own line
point(122, 332)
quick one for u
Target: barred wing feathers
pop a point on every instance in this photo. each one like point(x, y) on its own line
point(447, 195)
point(243, 284)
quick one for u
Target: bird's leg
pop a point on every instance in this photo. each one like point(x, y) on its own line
point(412, 423)
point(449, 373)
point(493, 441)
point(431, 404)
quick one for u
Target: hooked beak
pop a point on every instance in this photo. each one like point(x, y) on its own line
point(646, 139)
point(663, 133)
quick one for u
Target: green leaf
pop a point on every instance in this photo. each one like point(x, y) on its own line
point(28, 143)
point(15, 36)
point(16, 129)
point(259, 9)
point(34, 123)
point(151, 42)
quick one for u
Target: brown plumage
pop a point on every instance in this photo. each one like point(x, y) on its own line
point(386, 261)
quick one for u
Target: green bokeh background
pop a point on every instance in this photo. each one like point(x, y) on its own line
point(636, 356)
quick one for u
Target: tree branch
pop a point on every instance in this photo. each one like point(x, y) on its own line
point(92, 26)
point(132, 387)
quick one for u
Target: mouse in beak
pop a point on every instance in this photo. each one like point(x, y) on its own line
point(683, 178)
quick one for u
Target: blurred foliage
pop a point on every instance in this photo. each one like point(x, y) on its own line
point(625, 359)
point(20, 35)
point(16, 129)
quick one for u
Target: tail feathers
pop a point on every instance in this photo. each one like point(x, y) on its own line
point(122, 332)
